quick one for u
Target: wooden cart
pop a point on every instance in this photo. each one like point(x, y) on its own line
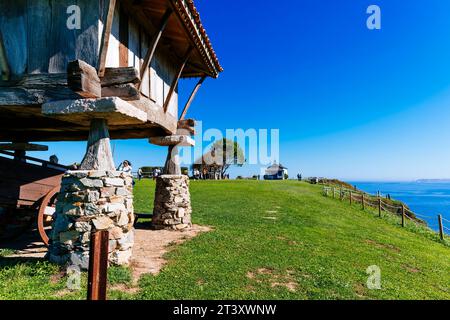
point(28, 191)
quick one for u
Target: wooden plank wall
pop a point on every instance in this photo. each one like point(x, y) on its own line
point(157, 81)
point(37, 39)
point(13, 19)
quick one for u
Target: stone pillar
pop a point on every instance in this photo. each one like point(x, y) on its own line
point(172, 206)
point(92, 200)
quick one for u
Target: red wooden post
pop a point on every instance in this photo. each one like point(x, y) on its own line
point(98, 266)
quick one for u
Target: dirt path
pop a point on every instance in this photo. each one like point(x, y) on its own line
point(151, 245)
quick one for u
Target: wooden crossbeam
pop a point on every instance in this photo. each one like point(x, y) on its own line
point(23, 146)
point(105, 38)
point(177, 78)
point(82, 78)
point(152, 48)
point(185, 127)
point(192, 96)
point(118, 76)
point(174, 140)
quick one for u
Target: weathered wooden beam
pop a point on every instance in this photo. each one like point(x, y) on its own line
point(186, 126)
point(105, 38)
point(126, 132)
point(117, 76)
point(98, 153)
point(192, 96)
point(4, 65)
point(177, 78)
point(23, 146)
point(115, 110)
point(35, 89)
point(82, 78)
point(175, 140)
point(152, 48)
point(126, 92)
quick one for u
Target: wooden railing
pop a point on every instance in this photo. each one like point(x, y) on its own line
point(384, 206)
point(41, 162)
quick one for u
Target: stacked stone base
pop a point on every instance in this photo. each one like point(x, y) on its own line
point(172, 206)
point(90, 201)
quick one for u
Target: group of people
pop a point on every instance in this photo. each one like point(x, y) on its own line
point(204, 175)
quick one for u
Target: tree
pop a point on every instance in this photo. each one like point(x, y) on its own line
point(227, 153)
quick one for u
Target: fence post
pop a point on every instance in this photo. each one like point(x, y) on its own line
point(403, 215)
point(363, 203)
point(342, 195)
point(333, 193)
point(379, 206)
point(351, 194)
point(441, 227)
point(98, 266)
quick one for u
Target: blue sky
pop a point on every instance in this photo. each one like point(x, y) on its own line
point(350, 103)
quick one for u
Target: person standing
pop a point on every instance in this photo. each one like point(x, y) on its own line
point(139, 174)
point(125, 167)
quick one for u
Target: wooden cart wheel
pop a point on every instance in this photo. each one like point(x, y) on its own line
point(46, 210)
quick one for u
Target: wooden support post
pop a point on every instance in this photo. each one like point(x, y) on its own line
point(403, 216)
point(177, 78)
point(441, 227)
point(363, 202)
point(379, 205)
point(333, 193)
point(98, 266)
point(19, 155)
point(98, 153)
point(105, 38)
point(172, 165)
point(351, 195)
point(152, 48)
point(191, 98)
point(341, 194)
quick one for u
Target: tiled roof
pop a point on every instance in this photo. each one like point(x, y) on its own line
point(191, 19)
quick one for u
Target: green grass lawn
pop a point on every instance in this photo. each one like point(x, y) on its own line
point(270, 240)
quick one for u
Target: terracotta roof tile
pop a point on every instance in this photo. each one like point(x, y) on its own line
point(194, 25)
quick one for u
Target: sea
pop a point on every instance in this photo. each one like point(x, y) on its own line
point(426, 198)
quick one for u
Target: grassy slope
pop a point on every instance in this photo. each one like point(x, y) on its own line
point(320, 244)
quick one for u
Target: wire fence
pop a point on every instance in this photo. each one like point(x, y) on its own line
point(388, 206)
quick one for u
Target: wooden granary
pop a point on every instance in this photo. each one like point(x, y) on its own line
point(65, 62)
point(91, 70)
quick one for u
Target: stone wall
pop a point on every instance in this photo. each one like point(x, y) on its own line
point(91, 201)
point(172, 207)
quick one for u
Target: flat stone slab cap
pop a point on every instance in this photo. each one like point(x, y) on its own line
point(175, 140)
point(82, 111)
